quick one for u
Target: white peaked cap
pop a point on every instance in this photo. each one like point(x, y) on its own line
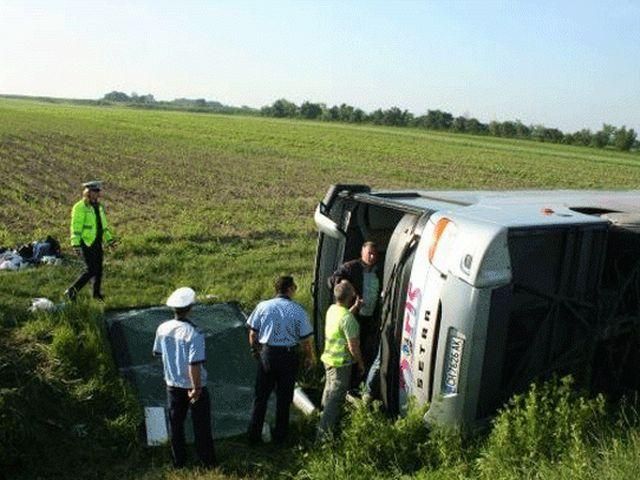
point(181, 298)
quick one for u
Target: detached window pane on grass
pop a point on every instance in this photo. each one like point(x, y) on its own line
point(230, 367)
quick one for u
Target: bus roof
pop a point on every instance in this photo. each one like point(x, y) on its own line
point(513, 208)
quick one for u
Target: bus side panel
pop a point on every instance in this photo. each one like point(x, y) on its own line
point(418, 324)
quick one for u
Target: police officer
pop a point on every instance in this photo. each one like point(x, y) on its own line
point(277, 326)
point(182, 348)
point(89, 228)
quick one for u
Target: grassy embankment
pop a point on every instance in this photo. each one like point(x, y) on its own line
point(224, 204)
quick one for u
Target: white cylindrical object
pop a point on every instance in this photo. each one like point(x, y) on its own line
point(302, 402)
point(266, 432)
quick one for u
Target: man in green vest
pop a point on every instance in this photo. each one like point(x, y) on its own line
point(341, 351)
point(89, 229)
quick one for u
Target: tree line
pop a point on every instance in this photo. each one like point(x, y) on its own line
point(194, 105)
point(609, 136)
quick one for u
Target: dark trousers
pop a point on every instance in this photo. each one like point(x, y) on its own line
point(369, 344)
point(93, 256)
point(277, 369)
point(178, 403)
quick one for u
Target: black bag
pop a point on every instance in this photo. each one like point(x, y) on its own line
point(54, 245)
point(25, 251)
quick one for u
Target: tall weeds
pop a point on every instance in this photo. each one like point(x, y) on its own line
point(550, 425)
point(62, 401)
point(374, 446)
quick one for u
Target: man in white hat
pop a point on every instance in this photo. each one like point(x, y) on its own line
point(182, 348)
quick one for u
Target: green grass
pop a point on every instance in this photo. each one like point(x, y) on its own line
point(224, 204)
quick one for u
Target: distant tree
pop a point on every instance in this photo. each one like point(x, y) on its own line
point(310, 110)
point(582, 137)
point(377, 117)
point(522, 131)
point(345, 112)
point(476, 126)
point(331, 114)
point(116, 96)
point(438, 120)
point(420, 121)
point(603, 137)
point(146, 99)
point(494, 128)
point(544, 134)
point(358, 116)
point(459, 125)
point(508, 129)
point(396, 117)
point(281, 108)
point(554, 135)
point(624, 139)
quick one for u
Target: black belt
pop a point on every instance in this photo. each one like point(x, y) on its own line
point(279, 348)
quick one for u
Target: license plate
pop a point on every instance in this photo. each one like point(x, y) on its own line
point(455, 347)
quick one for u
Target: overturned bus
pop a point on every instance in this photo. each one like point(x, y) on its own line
point(484, 292)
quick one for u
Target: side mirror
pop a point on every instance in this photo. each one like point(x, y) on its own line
point(326, 225)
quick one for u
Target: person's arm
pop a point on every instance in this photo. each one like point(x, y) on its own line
point(309, 351)
point(354, 349)
point(343, 272)
point(77, 224)
point(196, 358)
point(157, 348)
point(356, 305)
point(254, 344)
point(305, 334)
point(106, 230)
point(351, 330)
point(194, 376)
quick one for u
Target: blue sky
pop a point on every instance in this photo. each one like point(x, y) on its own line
point(565, 64)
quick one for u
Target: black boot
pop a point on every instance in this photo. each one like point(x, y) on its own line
point(71, 294)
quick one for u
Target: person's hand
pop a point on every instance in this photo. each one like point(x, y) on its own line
point(194, 394)
point(77, 251)
point(255, 351)
point(356, 305)
point(309, 362)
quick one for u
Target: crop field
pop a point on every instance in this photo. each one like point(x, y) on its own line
point(224, 204)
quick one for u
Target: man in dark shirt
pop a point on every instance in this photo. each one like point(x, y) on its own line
point(363, 273)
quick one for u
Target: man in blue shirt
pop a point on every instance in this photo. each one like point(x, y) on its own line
point(277, 326)
point(182, 348)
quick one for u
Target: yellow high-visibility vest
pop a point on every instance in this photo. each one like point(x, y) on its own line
point(340, 324)
point(84, 226)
